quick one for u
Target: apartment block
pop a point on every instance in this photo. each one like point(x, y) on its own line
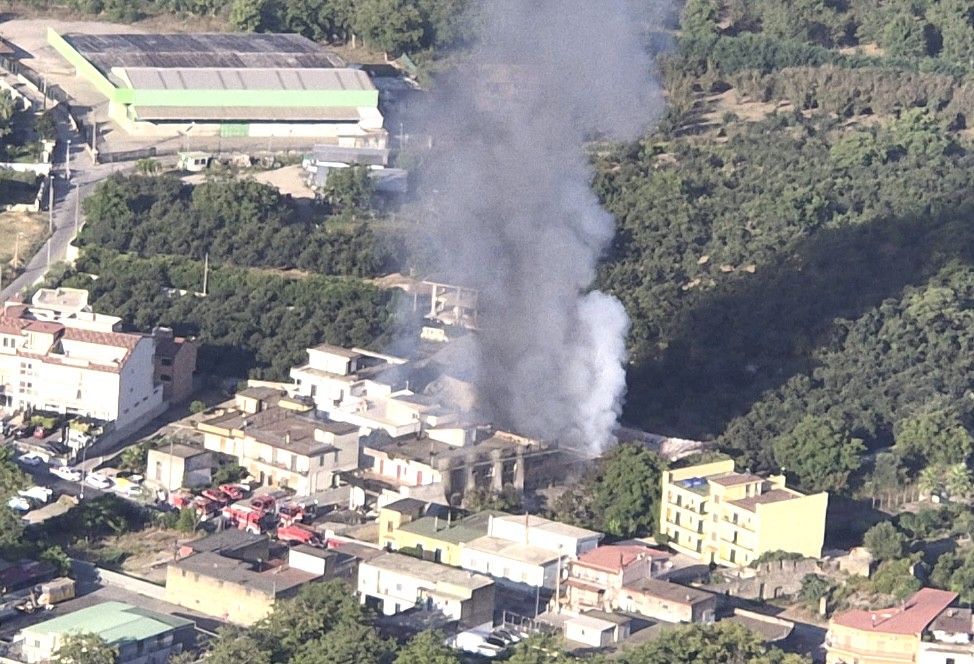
point(57, 355)
point(278, 441)
point(714, 514)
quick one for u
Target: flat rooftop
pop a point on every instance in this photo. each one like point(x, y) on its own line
point(434, 572)
point(774, 496)
point(456, 531)
point(549, 526)
point(273, 581)
point(512, 550)
point(672, 592)
point(186, 51)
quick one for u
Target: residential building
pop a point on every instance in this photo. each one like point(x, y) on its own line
point(596, 629)
point(885, 636)
point(281, 445)
point(441, 539)
point(326, 564)
point(230, 543)
point(667, 601)
point(714, 514)
point(238, 591)
point(57, 355)
point(394, 515)
point(175, 363)
point(597, 579)
point(948, 639)
point(142, 636)
point(177, 465)
point(528, 550)
point(396, 583)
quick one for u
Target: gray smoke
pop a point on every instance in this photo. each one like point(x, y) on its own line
point(513, 213)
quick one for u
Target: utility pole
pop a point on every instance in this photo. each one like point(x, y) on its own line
point(77, 210)
point(67, 160)
point(17, 250)
point(206, 270)
point(50, 206)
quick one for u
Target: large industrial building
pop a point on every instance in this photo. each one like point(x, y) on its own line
point(230, 85)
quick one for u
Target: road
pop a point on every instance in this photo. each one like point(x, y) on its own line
point(84, 176)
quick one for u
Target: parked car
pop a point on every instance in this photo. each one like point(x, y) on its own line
point(265, 504)
point(67, 473)
point(40, 432)
point(39, 493)
point(234, 491)
point(30, 459)
point(127, 486)
point(98, 481)
point(506, 636)
point(19, 503)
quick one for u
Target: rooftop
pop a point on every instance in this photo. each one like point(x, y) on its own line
point(273, 581)
point(407, 505)
point(774, 496)
point(225, 541)
point(617, 557)
point(336, 350)
point(734, 479)
point(423, 569)
point(549, 526)
point(457, 531)
point(512, 550)
point(113, 621)
point(672, 592)
point(182, 51)
point(181, 451)
point(953, 621)
point(244, 78)
point(912, 617)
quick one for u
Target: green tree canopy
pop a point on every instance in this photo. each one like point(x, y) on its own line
point(820, 452)
point(721, 643)
point(884, 541)
point(85, 649)
point(934, 437)
point(427, 648)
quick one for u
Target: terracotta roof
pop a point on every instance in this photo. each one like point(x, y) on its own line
point(912, 617)
point(43, 327)
point(115, 339)
point(13, 324)
point(617, 557)
point(773, 496)
point(733, 479)
point(582, 585)
point(953, 621)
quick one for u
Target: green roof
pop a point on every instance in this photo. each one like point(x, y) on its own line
point(114, 622)
point(455, 532)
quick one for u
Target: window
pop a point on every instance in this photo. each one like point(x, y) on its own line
point(165, 379)
point(166, 362)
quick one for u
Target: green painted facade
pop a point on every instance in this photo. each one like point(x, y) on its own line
point(208, 97)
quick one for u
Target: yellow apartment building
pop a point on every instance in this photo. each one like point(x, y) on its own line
point(714, 514)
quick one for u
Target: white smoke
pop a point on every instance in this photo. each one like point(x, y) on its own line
point(514, 215)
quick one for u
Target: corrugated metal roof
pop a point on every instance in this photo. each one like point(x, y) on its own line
point(112, 621)
point(202, 50)
point(240, 78)
point(247, 113)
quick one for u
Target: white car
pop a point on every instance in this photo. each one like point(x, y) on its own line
point(98, 481)
point(30, 459)
point(67, 473)
point(19, 503)
point(39, 493)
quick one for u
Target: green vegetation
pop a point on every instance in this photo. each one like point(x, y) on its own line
point(248, 322)
point(721, 643)
point(235, 221)
point(85, 649)
point(619, 495)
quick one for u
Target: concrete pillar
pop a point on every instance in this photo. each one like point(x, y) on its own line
point(519, 469)
point(497, 462)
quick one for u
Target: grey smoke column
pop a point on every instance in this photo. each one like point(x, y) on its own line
point(513, 212)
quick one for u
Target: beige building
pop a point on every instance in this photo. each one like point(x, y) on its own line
point(397, 582)
point(57, 355)
point(667, 601)
point(714, 514)
point(170, 467)
point(598, 578)
point(280, 444)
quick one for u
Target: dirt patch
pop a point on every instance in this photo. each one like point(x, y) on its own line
point(32, 229)
point(289, 180)
point(144, 554)
point(745, 108)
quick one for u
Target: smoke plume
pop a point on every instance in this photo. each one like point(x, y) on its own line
point(513, 213)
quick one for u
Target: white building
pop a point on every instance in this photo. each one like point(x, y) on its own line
point(365, 389)
point(527, 549)
point(398, 582)
point(56, 355)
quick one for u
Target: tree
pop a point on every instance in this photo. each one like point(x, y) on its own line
point(46, 127)
point(820, 452)
point(148, 167)
point(188, 520)
point(934, 437)
point(134, 458)
point(349, 190)
point(427, 648)
point(957, 481)
point(721, 643)
point(248, 15)
point(233, 645)
point(480, 499)
point(931, 480)
point(884, 541)
point(392, 26)
point(196, 407)
point(813, 589)
point(85, 649)
point(626, 490)
point(56, 556)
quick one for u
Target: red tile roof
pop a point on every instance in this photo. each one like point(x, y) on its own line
point(912, 617)
point(617, 557)
point(43, 327)
point(114, 339)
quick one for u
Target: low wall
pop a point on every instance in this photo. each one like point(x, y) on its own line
point(132, 584)
point(770, 580)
